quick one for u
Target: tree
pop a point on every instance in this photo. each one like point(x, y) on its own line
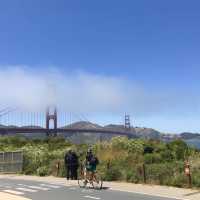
point(179, 148)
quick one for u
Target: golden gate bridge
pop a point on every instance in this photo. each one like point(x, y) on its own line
point(50, 123)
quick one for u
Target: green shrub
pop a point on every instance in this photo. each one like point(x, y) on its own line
point(196, 178)
point(152, 158)
point(43, 171)
point(179, 149)
point(179, 180)
point(159, 173)
point(164, 162)
point(113, 174)
point(133, 176)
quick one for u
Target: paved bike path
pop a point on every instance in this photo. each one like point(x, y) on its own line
point(51, 188)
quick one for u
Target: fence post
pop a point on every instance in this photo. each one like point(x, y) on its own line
point(144, 173)
point(188, 174)
point(108, 165)
point(58, 168)
point(12, 157)
point(4, 161)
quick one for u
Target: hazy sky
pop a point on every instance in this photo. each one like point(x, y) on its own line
point(104, 58)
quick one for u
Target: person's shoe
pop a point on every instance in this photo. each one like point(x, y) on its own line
point(85, 182)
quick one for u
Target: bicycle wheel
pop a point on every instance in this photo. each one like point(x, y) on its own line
point(97, 182)
point(82, 182)
point(81, 179)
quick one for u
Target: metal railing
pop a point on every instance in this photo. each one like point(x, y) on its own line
point(11, 162)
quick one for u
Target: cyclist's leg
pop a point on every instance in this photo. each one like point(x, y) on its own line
point(93, 175)
point(88, 174)
point(93, 172)
point(85, 173)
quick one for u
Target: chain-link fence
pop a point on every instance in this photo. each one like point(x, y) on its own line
point(11, 162)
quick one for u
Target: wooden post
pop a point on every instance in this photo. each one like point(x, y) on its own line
point(188, 174)
point(189, 181)
point(108, 165)
point(144, 173)
point(58, 168)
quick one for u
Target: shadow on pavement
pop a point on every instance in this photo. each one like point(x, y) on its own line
point(103, 188)
point(193, 193)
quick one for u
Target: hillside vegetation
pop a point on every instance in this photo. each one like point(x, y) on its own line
point(120, 159)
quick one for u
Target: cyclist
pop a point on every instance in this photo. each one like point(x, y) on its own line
point(91, 164)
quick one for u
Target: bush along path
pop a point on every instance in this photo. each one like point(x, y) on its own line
point(121, 159)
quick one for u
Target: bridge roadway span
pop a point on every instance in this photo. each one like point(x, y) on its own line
point(14, 130)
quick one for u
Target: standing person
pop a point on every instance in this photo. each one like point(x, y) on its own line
point(75, 165)
point(68, 164)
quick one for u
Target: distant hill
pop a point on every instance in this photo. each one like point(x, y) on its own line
point(192, 139)
point(148, 133)
point(10, 126)
point(2, 126)
point(114, 127)
point(83, 125)
point(87, 137)
point(195, 142)
point(189, 136)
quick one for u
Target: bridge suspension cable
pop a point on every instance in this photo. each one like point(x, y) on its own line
point(7, 111)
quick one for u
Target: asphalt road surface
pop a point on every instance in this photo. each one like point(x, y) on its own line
point(44, 191)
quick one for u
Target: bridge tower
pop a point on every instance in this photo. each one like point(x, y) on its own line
point(51, 115)
point(127, 124)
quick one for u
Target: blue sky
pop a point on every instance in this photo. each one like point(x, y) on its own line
point(153, 44)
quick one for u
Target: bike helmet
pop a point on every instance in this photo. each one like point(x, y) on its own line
point(89, 150)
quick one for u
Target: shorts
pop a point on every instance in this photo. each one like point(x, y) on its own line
point(91, 168)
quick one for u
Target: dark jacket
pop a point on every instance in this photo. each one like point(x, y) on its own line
point(91, 159)
point(71, 159)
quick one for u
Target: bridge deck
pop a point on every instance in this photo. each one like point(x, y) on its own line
point(6, 130)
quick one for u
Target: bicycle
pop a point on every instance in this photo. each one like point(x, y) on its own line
point(96, 182)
